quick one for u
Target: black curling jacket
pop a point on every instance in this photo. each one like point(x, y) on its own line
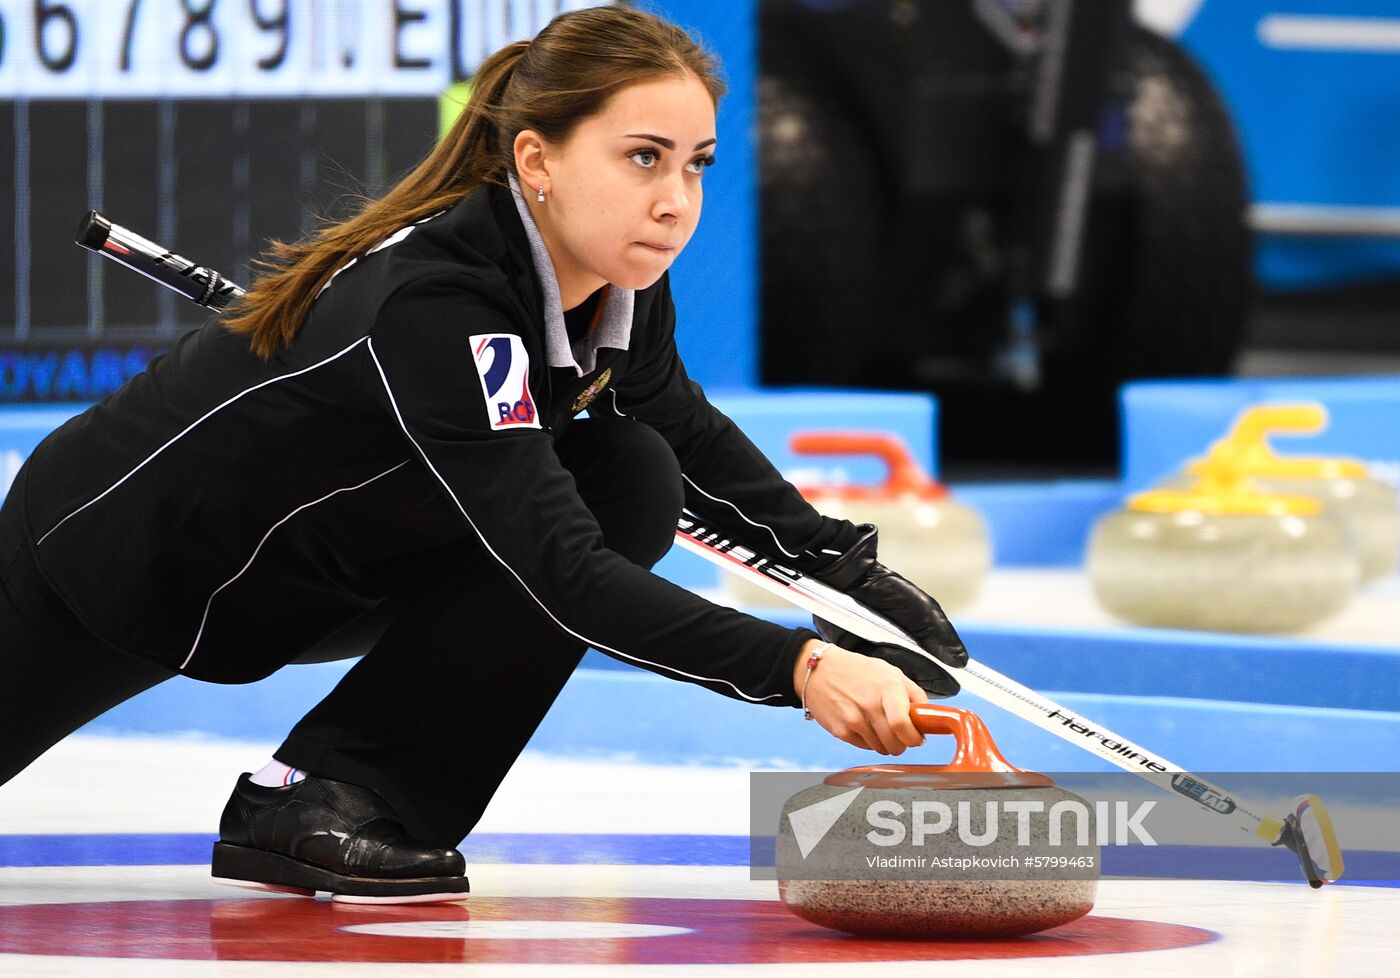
point(220, 513)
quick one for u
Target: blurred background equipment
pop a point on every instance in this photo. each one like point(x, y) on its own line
point(1221, 554)
point(935, 541)
point(1015, 205)
point(1366, 506)
point(1020, 204)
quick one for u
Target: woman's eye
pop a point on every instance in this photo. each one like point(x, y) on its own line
point(645, 158)
point(699, 164)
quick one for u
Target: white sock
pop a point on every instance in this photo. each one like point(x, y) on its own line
point(275, 774)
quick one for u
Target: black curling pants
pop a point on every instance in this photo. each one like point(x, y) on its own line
point(55, 675)
point(468, 664)
point(462, 665)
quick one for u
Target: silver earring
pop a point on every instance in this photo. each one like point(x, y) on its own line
point(540, 195)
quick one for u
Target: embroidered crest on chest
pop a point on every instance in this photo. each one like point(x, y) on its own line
point(592, 390)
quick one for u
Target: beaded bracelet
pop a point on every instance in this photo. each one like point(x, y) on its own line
point(812, 661)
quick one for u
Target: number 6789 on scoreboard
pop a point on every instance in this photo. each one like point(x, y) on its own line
point(254, 48)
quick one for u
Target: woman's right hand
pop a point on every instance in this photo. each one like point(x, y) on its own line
point(859, 699)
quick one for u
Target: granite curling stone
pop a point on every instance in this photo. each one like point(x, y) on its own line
point(972, 875)
point(929, 537)
point(1221, 556)
point(1368, 507)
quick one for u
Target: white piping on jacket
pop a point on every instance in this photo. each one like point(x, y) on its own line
point(194, 424)
point(761, 526)
point(258, 549)
point(491, 550)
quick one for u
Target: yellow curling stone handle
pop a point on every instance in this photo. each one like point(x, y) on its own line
point(1222, 489)
point(1223, 478)
point(1246, 446)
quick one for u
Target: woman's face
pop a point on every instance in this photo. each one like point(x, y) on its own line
point(623, 192)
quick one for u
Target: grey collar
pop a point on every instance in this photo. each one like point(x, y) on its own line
point(614, 329)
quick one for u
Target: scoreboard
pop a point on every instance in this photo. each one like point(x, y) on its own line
point(210, 126)
point(254, 48)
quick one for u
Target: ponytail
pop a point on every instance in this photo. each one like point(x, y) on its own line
point(549, 85)
point(274, 310)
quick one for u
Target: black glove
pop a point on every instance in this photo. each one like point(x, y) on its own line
point(928, 676)
point(860, 575)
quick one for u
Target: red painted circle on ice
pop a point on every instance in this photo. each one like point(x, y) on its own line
point(718, 932)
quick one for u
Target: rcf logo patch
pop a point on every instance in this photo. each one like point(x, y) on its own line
point(504, 369)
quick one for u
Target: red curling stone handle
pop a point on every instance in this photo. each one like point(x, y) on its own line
point(902, 472)
point(976, 750)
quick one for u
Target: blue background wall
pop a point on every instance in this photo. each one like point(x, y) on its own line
point(715, 281)
point(1319, 127)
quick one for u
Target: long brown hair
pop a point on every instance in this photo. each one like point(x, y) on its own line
point(551, 84)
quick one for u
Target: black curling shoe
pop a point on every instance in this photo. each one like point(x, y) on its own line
point(327, 835)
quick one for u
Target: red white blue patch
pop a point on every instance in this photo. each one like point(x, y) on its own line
point(503, 367)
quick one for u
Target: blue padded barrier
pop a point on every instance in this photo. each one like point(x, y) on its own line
point(1207, 701)
point(1040, 524)
point(21, 428)
point(1167, 422)
point(770, 418)
point(646, 718)
point(634, 715)
point(1197, 665)
point(1153, 662)
point(265, 710)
